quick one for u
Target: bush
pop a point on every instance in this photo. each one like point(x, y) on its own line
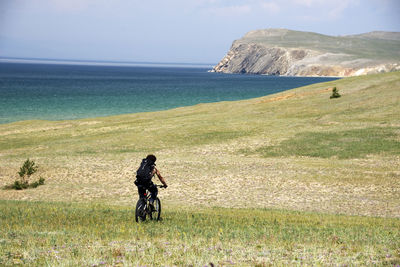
point(335, 93)
point(37, 183)
point(19, 186)
point(27, 169)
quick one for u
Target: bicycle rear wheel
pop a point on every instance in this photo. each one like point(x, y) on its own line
point(155, 214)
point(140, 211)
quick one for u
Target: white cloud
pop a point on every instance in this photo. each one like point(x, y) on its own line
point(231, 10)
point(271, 7)
point(336, 11)
point(225, 8)
point(75, 6)
point(202, 2)
point(70, 5)
point(305, 2)
point(330, 3)
point(329, 9)
point(310, 3)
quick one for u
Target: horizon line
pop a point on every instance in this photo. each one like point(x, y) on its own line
point(96, 62)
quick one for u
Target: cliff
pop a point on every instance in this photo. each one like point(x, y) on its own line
point(295, 53)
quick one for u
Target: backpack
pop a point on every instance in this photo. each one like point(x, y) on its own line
point(143, 174)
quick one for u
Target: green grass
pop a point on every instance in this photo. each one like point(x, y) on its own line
point(37, 234)
point(303, 151)
point(356, 143)
point(372, 99)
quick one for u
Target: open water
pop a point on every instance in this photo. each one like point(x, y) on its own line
point(59, 92)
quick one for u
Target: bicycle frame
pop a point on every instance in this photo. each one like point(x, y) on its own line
point(143, 208)
point(147, 195)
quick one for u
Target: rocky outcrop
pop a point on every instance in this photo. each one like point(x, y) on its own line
point(276, 52)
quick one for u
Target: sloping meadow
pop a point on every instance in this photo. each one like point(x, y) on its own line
point(297, 150)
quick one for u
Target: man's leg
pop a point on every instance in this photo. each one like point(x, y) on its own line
point(141, 191)
point(154, 191)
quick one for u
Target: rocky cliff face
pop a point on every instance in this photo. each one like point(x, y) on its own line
point(290, 53)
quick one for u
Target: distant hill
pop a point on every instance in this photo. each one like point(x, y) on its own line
point(378, 35)
point(296, 53)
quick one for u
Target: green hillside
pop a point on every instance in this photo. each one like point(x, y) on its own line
point(372, 46)
point(296, 150)
point(294, 178)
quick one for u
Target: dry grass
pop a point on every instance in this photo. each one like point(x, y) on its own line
point(208, 153)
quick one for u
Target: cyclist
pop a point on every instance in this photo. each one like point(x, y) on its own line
point(144, 174)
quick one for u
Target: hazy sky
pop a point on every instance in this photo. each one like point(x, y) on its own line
point(196, 31)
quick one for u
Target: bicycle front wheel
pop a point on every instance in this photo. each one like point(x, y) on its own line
point(155, 214)
point(140, 212)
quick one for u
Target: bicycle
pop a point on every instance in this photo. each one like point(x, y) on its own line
point(143, 207)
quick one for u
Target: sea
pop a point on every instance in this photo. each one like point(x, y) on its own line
point(37, 91)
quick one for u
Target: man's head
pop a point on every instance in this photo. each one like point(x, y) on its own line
point(151, 157)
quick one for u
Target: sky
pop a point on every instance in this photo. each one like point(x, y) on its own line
point(182, 31)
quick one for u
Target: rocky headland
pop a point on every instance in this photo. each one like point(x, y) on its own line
point(294, 53)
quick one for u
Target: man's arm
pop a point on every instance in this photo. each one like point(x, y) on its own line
point(162, 180)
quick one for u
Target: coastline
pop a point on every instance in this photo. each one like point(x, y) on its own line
point(282, 143)
point(68, 92)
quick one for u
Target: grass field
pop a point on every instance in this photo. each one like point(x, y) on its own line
point(40, 234)
point(282, 179)
point(296, 150)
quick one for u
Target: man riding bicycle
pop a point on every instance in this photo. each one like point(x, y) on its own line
point(144, 174)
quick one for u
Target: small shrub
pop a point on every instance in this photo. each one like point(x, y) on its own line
point(37, 183)
point(19, 186)
point(335, 93)
point(34, 184)
point(27, 169)
point(41, 180)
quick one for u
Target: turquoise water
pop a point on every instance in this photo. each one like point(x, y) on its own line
point(58, 92)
